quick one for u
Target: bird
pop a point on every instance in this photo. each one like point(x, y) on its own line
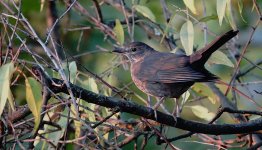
point(169, 75)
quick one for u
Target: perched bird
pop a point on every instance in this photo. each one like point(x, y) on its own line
point(169, 75)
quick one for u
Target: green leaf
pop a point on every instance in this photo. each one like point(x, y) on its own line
point(240, 6)
point(204, 90)
point(6, 73)
point(240, 9)
point(202, 112)
point(219, 57)
point(253, 7)
point(92, 86)
point(221, 9)
point(34, 98)
point(191, 5)
point(208, 18)
point(73, 71)
point(119, 31)
point(78, 126)
point(145, 11)
point(187, 36)
point(52, 136)
point(70, 71)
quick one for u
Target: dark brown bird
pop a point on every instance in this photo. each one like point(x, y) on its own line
point(163, 74)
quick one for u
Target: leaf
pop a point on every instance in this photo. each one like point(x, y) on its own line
point(191, 5)
point(6, 73)
point(70, 71)
point(34, 98)
point(42, 5)
point(253, 7)
point(73, 71)
point(202, 112)
point(185, 97)
point(219, 57)
point(119, 31)
point(52, 136)
point(208, 18)
point(92, 86)
point(229, 15)
point(204, 90)
point(145, 11)
point(187, 37)
point(221, 9)
point(254, 117)
point(78, 126)
point(240, 9)
point(240, 6)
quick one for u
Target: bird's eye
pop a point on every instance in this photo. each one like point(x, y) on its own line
point(133, 49)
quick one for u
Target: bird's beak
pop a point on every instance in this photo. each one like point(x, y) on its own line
point(119, 50)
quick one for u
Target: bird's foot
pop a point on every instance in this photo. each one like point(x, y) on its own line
point(159, 103)
point(155, 114)
point(175, 115)
point(155, 107)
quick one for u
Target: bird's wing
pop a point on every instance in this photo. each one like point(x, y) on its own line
point(171, 69)
point(185, 74)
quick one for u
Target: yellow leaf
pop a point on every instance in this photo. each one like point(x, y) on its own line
point(221, 9)
point(11, 99)
point(78, 126)
point(229, 15)
point(191, 5)
point(145, 11)
point(42, 5)
point(6, 73)
point(34, 98)
point(119, 31)
point(202, 112)
point(187, 37)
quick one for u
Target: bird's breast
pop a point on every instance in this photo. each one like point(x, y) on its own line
point(135, 70)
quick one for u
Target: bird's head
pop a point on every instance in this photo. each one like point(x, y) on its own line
point(135, 51)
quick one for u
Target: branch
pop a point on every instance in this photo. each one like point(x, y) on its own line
point(148, 113)
point(53, 23)
point(249, 68)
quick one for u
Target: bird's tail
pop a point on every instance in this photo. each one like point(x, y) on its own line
point(205, 53)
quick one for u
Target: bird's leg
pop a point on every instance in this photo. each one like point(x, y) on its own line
point(161, 100)
point(176, 111)
point(149, 101)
